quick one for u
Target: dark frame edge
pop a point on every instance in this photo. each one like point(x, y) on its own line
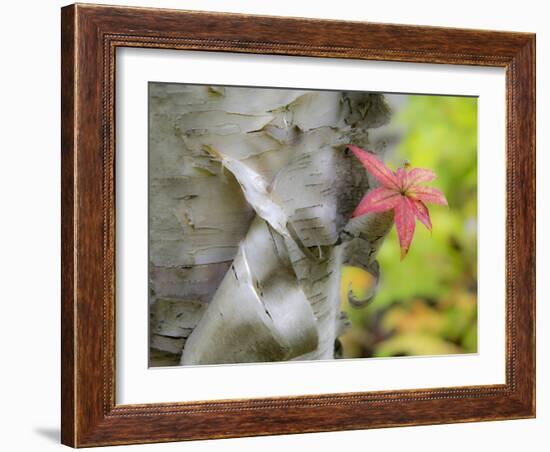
point(524, 67)
point(68, 296)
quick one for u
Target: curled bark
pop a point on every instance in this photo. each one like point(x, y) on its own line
point(258, 183)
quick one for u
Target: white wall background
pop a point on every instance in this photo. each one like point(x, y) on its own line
point(29, 226)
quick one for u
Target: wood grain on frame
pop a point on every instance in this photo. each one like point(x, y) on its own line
point(90, 36)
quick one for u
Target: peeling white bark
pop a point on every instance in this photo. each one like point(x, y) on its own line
point(256, 183)
point(259, 312)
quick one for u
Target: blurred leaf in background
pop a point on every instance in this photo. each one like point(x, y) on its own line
point(427, 304)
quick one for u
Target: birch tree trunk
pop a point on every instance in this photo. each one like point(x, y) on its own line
point(251, 194)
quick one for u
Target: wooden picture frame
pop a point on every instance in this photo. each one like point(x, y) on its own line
point(90, 36)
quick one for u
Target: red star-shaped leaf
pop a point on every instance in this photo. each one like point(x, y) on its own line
point(401, 192)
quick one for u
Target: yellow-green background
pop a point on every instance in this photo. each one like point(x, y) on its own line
point(427, 303)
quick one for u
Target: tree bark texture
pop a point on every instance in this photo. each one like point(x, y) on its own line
point(251, 192)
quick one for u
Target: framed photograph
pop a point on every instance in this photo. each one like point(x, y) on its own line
point(281, 225)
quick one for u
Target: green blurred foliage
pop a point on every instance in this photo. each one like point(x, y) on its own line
point(427, 303)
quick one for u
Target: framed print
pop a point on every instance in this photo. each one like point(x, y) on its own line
point(281, 225)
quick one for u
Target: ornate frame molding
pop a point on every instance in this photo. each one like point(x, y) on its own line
point(90, 36)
